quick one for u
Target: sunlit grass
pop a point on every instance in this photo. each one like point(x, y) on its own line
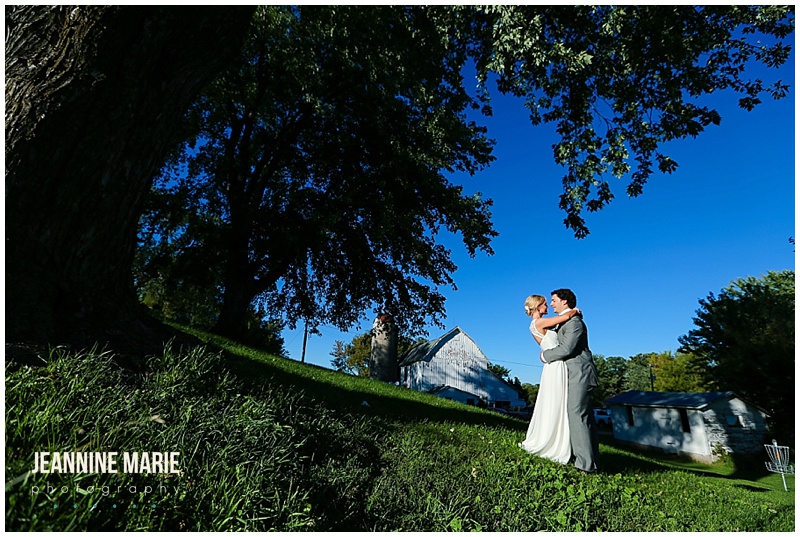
point(268, 443)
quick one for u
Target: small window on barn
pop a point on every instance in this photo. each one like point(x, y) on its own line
point(685, 420)
point(471, 402)
point(630, 415)
point(734, 421)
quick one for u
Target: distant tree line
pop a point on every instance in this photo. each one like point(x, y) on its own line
point(743, 341)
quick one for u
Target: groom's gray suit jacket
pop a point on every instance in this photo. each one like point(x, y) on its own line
point(573, 348)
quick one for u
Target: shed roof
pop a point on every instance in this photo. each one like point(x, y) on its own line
point(426, 350)
point(698, 401)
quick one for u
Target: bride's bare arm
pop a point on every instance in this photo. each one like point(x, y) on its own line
point(549, 322)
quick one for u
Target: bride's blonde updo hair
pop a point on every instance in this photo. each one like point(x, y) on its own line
point(533, 302)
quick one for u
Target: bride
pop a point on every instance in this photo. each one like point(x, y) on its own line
point(548, 432)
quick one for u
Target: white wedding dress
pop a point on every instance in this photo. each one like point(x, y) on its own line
point(548, 432)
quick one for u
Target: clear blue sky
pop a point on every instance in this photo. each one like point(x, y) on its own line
point(726, 213)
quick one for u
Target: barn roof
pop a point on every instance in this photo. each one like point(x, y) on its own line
point(443, 388)
point(697, 401)
point(426, 350)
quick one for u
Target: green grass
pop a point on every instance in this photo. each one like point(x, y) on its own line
point(271, 444)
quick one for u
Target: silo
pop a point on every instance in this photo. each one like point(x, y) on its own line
point(383, 354)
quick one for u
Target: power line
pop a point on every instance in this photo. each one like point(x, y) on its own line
point(515, 363)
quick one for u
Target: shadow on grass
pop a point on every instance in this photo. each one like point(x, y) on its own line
point(388, 403)
point(346, 393)
point(624, 459)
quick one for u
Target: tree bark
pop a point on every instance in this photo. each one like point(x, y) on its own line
point(95, 97)
point(238, 294)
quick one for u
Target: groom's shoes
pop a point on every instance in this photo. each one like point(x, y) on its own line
point(588, 472)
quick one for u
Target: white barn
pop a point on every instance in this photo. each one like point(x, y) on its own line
point(701, 426)
point(455, 368)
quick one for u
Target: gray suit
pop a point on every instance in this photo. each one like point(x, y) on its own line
point(573, 348)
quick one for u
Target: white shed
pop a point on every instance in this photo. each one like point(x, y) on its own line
point(701, 426)
point(455, 368)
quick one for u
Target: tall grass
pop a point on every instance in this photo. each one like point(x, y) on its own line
point(251, 456)
point(270, 444)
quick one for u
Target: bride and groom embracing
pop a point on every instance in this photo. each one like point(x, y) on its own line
point(562, 427)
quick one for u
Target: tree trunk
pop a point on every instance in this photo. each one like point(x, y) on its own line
point(95, 97)
point(236, 298)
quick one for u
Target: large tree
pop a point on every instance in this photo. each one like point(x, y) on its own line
point(318, 182)
point(321, 182)
point(95, 98)
point(745, 336)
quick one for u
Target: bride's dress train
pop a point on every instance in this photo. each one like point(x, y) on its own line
point(548, 432)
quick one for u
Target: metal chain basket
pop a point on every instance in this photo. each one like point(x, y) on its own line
point(779, 461)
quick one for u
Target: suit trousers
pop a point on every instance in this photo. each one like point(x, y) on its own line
point(582, 427)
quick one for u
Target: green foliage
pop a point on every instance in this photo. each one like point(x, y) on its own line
point(677, 372)
point(620, 81)
point(745, 337)
point(500, 370)
point(175, 278)
point(271, 444)
point(619, 375)
point(318, 182)
point(353, 357)
point(638, 373)
point(611, 372)
point(530, 392)
point(262, 332)
point(671, 373)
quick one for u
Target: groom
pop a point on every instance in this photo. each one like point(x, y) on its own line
point(573, 348)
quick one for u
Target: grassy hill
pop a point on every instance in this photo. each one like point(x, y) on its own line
point(267, 443)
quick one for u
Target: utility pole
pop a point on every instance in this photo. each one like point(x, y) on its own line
point(652, 379)
point(305, 339)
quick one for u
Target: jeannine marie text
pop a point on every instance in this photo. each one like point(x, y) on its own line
point(105, 462)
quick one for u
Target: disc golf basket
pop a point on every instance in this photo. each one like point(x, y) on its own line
point(779, 461)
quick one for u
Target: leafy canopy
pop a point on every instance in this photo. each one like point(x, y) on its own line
point(745, 337)
point(619, 81)
point(317, 186)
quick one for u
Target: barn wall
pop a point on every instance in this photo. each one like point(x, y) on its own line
point(459, 364)
point(735, 427)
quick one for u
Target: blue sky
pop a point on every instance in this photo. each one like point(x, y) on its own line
point(726, 213)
